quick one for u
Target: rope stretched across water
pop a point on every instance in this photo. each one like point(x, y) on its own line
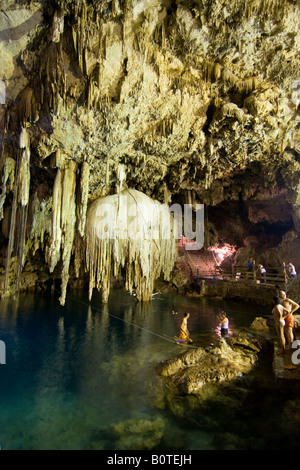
point(165, 337)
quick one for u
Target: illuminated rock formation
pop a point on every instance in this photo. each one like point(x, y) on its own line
point(131, 231)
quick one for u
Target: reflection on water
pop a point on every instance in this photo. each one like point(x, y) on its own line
point(71, 372)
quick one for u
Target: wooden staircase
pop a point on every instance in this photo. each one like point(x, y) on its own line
point(200, 263)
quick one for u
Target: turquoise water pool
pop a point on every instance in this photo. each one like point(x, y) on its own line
point(74, 374)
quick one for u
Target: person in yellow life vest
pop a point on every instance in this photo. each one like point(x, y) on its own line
point(184, 334)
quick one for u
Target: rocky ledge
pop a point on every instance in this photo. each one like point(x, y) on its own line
point(196, 368)
point(189, 372)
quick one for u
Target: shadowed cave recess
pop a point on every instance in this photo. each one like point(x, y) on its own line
point(167, 102)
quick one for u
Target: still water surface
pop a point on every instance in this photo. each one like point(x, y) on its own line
point(71, 372)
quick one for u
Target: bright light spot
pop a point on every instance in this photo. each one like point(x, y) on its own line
point(222, 252)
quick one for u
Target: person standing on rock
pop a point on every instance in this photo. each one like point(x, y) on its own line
point(279, 313)
point(291, 307)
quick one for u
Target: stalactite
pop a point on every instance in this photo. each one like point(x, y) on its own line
point(131, 231)
point(79, 254)
point(228, 76)
point(84, 190)
point(58, 25)
point(81, 35)
point(8, 181)
point(27, 108)
point(20, 197)
point(207, 71)
point(121, 176)
point(265, 8)
point(74, 36)
point(68, 218)
point(41, 223)
point(54, 249)
point(3, 135)
point(24, 139)
point(217, 70)
point(247, 85)
point(24, 178)
point(107, 170)
point(11, 235)
point(23, 199)
point(63, 222)
point(21, 245)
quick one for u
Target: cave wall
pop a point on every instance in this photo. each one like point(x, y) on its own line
point(196, 102)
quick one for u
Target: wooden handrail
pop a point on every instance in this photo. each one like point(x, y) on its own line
point(274, 274)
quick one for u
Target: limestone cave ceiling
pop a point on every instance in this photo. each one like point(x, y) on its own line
point(197, 102)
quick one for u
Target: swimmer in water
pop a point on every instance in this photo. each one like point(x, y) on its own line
point(184, 334)
point(224, 322)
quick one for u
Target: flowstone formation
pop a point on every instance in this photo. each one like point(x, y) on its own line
point(131, 231)
point(198, 102)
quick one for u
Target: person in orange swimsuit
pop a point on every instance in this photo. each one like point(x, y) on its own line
point(291, 306)
point(184, 334)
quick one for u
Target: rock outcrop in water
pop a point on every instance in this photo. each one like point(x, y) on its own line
point(198, 367)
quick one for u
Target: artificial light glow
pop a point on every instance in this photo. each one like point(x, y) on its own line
point(222, 252)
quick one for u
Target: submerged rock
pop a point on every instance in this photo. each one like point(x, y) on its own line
point(138, 434)
point(260, 324)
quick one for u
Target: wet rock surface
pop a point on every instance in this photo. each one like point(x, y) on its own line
point(194, 369)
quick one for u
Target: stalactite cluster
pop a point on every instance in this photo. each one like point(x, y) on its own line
point(69, 206)
point(19, 211)
point(131, 231)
